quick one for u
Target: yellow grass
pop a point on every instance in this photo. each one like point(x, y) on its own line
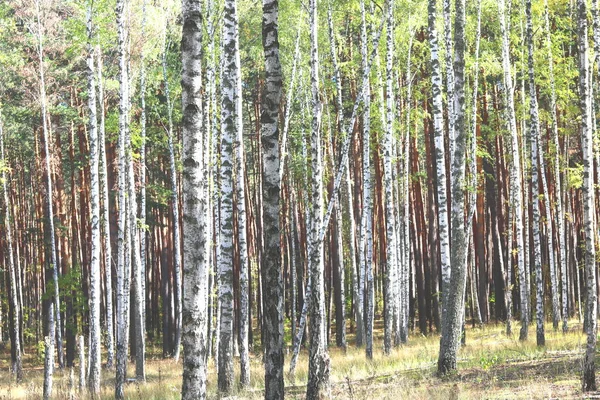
point(491, 366)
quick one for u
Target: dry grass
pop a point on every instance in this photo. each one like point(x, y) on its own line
point(491, 366)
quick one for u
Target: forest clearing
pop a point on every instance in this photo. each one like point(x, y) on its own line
point(492, 366)
point(302, 199)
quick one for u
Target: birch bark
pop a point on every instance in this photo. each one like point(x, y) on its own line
point(195, 265)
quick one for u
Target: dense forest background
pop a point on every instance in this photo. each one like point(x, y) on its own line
point(366, 172)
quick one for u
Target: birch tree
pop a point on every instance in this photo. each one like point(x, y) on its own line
point(515, 172)
point(589, 360)
point(174, 202)
point(17, 365)
point(229, 126)
point(54, 317)
point(194, 200)
point(366, 227)
point(440, 153)
point(533, 138)
point(318, 364)
point(452, 326)
point(104, 211)
point(558, 214)
point(122, 264)
point(95, 279)
point(271, 258)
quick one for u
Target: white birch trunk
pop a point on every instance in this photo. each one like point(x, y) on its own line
point(229, 127)
point(240, 197)
point(175, 204)
point(533, 138)
point(589, 368)
point(17, 366)
point(104, 208)
point(273, 292)
point(515, 172)
point(451, 329)
point(194, 202)
point(95, 277)
point(122, 258)
point(440, 153)
point(54, 318)
point(319, 363)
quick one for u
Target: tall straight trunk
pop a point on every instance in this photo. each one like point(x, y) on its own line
point(515, 173)
point(319, 363)
point(533, 138)
point(54, 317)
point(589, 361)
point(341, 313)
point(473, 169)
point(240, 196)
point(340, 126)
point(449, 78)
point(142, 173)
point(194, 202)
point(366, 227)
point(95, 277)
point(229, 126)
point(174, 202)
point(15, 336)
point(122, 259)
point(271, 257)
point(451, 329)
point(104, 210)
point(136, 268)
point(390, 204)
point(440, 155)
point(339, 174)
point(404, 273)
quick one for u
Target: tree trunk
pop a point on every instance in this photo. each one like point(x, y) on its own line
point(271, 182)
point(515, 173)
point(15, 336)
point(194, 200)
point(589, 361)
point(451, 329)
point(95, 277)
point(533, 138)
point(440, 154)
point(122, 264)
point(105, 207)
point(319, 364)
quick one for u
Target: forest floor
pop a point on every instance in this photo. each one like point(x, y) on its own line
point(491, 366)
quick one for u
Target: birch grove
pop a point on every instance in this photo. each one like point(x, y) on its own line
point(358, 187)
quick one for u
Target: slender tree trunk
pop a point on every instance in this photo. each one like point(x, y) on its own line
point(271, 182)
point(54, 320)
point(440, 154)
point(533, 138)
point(589, 361)
point(174, 202)
point(391, 242)
point(194, 200)
point(95, 277)
point(229, 127)
point(451, 329)
point(142, 176)
point(341, 313)
point(515, 173)
point(17, 365)
point(122, 259)
point(366, 227)
point(319, 364)
point(449, 84)
point(240, 196)
point(105, 207)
